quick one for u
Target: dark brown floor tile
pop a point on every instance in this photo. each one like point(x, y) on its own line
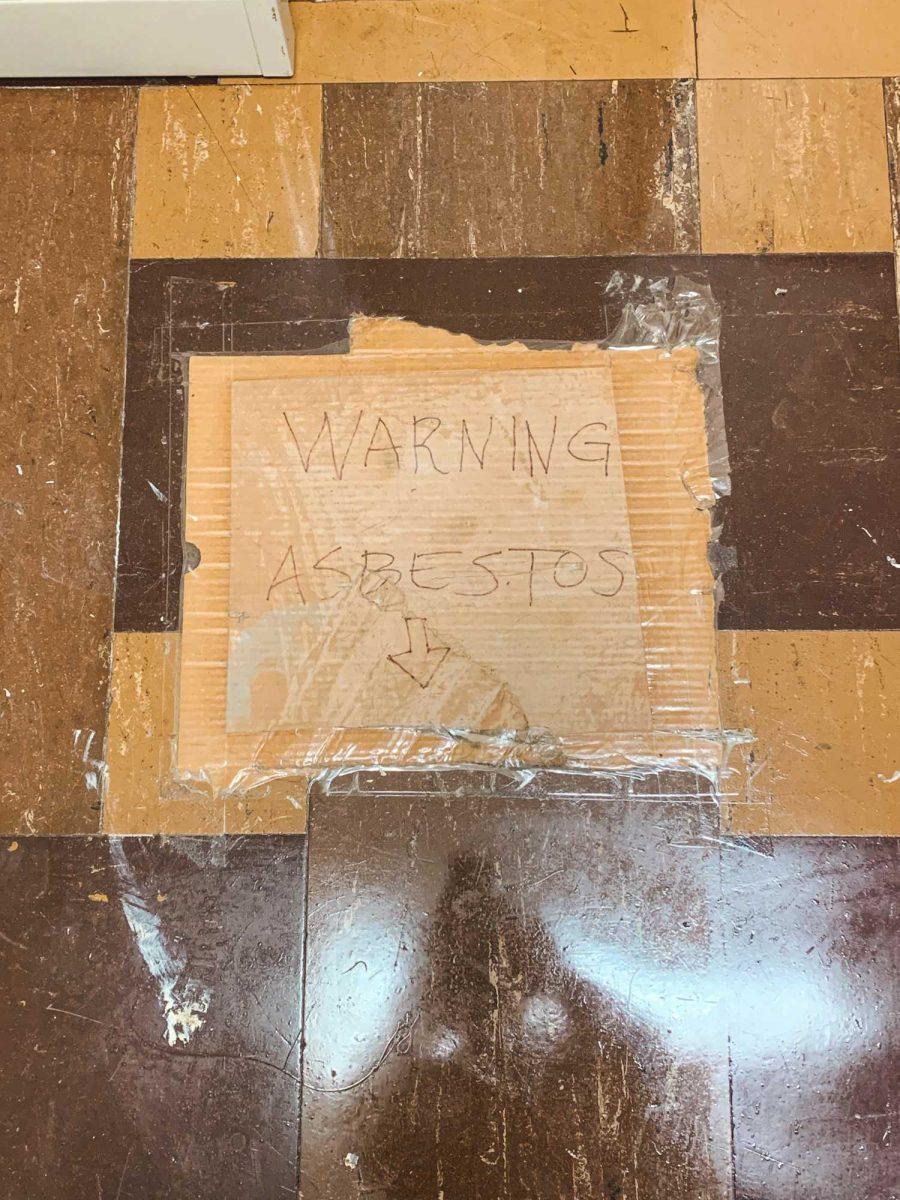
point(811, 392)
point(102, 1095)
point(478, 170)
point(813, 952)
point(509, 994)
point(810, 370)
point(65, 158)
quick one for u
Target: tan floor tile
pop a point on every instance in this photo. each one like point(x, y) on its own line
point(763, 39)
point(142, 795)
point(395, 41)
point(228, 172)
point(140, 740)
point(824, 710)
point(793, 166)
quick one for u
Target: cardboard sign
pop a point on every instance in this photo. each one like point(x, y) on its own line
point(433, 544)
point(421, 550)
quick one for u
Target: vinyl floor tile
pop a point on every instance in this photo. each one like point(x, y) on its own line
point(385, 41)
point(765, 39)
point(491, 1000)
point(793, 166)
point(547, 988)
point(813, 953)
point(66, 154)
point(822, 708)
point(150, 1017)
point(227, 171)
point(461, 170)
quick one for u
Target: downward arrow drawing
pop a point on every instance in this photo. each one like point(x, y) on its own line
point(421, 661)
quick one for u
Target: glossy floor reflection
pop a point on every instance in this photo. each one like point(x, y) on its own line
point(150, 1000)
point(812, 943)
point(510, 996)
point(516, 992)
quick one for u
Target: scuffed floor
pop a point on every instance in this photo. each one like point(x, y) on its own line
point(441, 983)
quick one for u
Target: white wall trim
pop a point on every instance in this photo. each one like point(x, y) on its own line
point(83, 38)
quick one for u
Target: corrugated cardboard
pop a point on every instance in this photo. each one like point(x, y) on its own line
point(542, 676)
point(429, 544)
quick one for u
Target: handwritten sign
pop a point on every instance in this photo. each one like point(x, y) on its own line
point(432, 547)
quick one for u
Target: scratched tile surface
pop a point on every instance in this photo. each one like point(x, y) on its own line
point(522, 993)
point(892, 119)
point(766, 39)
point(66, 157)
point(383, 41)
point(227, 171)
point(812, 953)
point(150, 1004)
point(822, 707)
point(793, 165)
point(811, 395)
point(493, 995)
point(510, 168)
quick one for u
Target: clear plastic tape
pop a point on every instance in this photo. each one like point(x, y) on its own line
point(669, 314)
point(672, 313)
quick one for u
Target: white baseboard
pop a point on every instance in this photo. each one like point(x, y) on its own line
point(63, 38)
